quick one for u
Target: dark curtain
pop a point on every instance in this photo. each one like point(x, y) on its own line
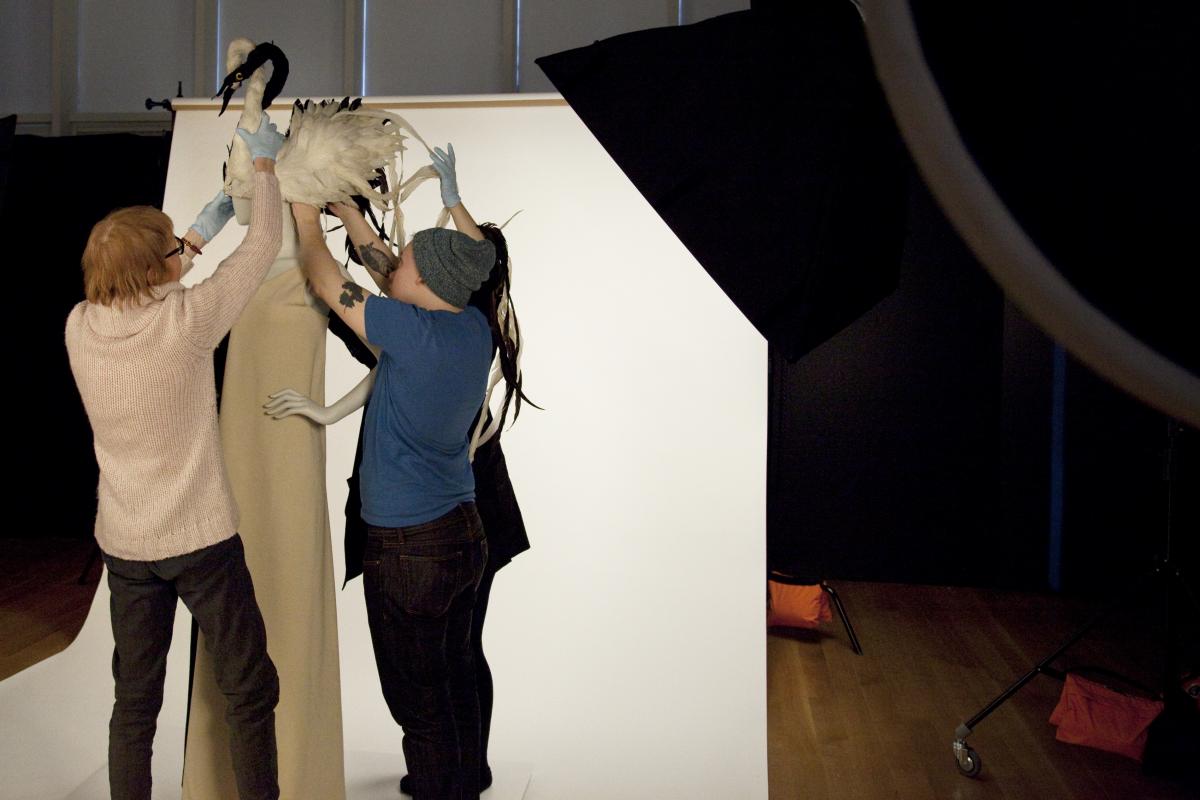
point(57, 188)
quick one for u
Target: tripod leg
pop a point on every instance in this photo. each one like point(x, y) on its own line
point(1173, 620)
point(837, 603)
point(1177, 577)
point(961, 750)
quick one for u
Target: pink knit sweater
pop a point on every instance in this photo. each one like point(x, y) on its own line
point(145, 373)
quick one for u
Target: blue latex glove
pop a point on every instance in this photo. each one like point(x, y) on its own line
point(264, 142)
point(443, 162)
point(212, 217)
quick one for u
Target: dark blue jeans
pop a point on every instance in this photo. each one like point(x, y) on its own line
point(420, 584)
point(215, 585)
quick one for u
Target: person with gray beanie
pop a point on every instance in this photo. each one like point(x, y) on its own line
point(426, 548)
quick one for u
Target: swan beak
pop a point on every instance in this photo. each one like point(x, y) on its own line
point(228, 95)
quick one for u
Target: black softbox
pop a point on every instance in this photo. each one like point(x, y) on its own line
point(763, 141)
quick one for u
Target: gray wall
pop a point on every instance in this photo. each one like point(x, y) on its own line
point(25, 56)
point(77, 66)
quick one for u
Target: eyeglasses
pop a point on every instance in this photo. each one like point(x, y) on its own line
point(178, 251)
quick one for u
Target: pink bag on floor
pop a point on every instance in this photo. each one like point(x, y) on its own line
point(1093, 715)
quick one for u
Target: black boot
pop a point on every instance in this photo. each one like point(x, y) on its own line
point(485, 780)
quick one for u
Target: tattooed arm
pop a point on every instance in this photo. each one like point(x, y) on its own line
point(373, 252)
point(346, 298)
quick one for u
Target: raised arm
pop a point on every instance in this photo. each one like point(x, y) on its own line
point(346, 298)
point(373, 252)
point(289, 402)
point(212, 306)
point(443, 162)
point(208, 224)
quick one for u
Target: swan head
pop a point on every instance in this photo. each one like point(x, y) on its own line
point(243, 58)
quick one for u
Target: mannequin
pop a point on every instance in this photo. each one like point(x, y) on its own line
point(277, 472)
point(333, 153)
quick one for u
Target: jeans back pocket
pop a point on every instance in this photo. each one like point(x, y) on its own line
point(428, 583)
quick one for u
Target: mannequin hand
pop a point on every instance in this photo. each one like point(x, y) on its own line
point(212, 217)
point(443, 162)
point(264, 142)
point(289, 402)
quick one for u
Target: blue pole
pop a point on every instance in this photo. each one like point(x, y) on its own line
point(1058, 410)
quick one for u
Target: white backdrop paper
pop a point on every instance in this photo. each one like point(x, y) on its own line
point(628, 646)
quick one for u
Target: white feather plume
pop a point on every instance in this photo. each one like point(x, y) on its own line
point(332, 154)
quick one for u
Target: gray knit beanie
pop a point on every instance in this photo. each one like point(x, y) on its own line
point(452, 264)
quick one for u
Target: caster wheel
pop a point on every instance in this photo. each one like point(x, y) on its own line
point(969, 763)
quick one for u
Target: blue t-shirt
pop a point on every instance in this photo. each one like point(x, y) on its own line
point(429, 384)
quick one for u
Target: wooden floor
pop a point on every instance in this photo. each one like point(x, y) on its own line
point(42, 603)
point(881, 725)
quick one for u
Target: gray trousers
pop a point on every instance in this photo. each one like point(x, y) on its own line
point(215, 586)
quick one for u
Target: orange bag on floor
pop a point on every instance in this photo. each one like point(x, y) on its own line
point(1093, 715)
point(796, 606)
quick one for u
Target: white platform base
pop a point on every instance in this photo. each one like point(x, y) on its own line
point(369, 776)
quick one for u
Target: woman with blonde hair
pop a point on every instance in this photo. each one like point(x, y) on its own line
point(140, 348)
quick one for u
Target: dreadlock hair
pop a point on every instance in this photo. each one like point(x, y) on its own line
point(494, 300)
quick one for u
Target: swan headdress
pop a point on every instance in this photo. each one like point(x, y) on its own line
point(335, 151)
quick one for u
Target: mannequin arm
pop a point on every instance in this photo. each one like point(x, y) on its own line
point(289, 402)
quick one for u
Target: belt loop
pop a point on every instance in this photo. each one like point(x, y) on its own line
point(399, 535)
